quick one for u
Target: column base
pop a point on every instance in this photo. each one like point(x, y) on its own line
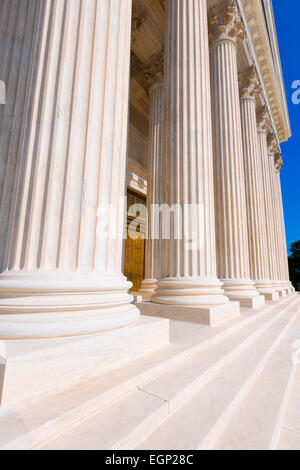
point(189, 292)
point(148, 286)
point(266, 289)
point(250, 302)
point(271, 296)
point(212, 316)
point(243, 291)
point(142, 297)
point(30, 368)
point(281, 292)
point(289, 288)
point(55, 304)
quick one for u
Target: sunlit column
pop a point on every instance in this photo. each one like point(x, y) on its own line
point(61, 270)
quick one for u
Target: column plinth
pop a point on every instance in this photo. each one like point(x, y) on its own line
point(188, 276)
point(61, 270)
point(230, 198)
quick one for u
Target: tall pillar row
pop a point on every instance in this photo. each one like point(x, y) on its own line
point(226, 30)
point(189, 277)
point(63, 160)
point(61, 274)
point(254, 185)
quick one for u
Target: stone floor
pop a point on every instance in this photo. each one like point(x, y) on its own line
point(233, 386)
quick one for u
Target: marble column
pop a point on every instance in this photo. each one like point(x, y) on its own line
point(189, 259)
point(153, 73)
point(263, 125)
point(255, 200)
point(61, 271)
point(226, 30)
point(273, 149)
point(282, 233)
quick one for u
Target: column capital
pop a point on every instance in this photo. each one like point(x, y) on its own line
point(224, 23)
point(153, 71)
point(272, 144)
point(263, 119)
point(249, 83)
point(278, 161)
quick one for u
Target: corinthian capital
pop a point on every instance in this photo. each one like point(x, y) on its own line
point(249, 83)
point(224, 22)
point(278, 161)
point(263, 119)
point(272, 143)
point(153, 70)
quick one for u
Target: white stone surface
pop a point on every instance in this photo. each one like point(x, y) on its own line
point(201, 421)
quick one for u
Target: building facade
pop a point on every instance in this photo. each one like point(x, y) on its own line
point(174, 103)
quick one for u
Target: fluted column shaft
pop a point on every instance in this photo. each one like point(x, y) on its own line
point(189, 266)
point(62, 264)
point(282, 233)
point(268, 203)
point(230, 199)
point(256, 217)
point(155, 159)
point(16, 57)
point(278, 261)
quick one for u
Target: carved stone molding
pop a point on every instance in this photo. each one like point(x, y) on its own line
point(225, 23)
point(253, 15)
point(249, 83)
point(263, 119)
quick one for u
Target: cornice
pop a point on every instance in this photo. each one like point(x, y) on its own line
point(257, 34)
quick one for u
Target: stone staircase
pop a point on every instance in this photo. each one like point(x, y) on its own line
point(228, 387)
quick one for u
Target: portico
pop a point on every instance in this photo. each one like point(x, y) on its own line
point(178, 102)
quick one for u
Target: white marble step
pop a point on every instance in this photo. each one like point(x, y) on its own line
point(256, 425)
point(93, 429)
point(116, 427)
point(178, 385)
point(289, 438)
point(200, 423)
point(32, 424)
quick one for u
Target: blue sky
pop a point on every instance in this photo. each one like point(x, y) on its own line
point(287, 17)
